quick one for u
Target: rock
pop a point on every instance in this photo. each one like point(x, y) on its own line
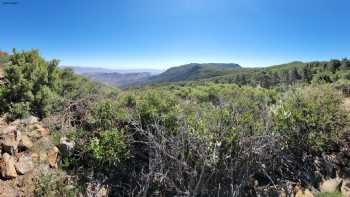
point(66, 146)
point(9, 141)
point(7, 191)
point(8, 169)
point(43, 156)
point(330, 185)
point(35, 157)
point(37, 131)
point(3, 122)
point(7, 130)
point(24, 164)
point(34, 134)
point(30, 120)
point(52, 157)
point(16, 122)
point(25, 142)
point(300, 193)
point(345, 188)
point(43, 132)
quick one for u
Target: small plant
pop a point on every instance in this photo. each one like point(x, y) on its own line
point(53, 186)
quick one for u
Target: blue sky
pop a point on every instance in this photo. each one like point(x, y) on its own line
point(128, 34)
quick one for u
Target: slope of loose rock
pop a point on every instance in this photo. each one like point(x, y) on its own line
point(26, 155)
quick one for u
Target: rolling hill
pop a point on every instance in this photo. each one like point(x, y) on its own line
point(194, 71)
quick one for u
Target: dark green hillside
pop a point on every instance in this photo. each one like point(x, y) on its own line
point(194, 71)
point(289, 74)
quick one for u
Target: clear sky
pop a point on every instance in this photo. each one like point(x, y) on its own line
point(163, 33)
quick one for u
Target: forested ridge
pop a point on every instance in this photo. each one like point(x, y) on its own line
point(275, 131)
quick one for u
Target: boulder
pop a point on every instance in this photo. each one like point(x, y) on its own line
point(7, 130)
point(66, 146)
point(37, 131)
point(52, 155)
point(30, 120)
point(9, 141)
point(302, 193)
point(7, 191)
point(8, 169)
point(25, 142)
point(24, 164)
point(345, 188)
point(330, 185)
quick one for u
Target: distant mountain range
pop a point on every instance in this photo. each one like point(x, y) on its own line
point(126, 78)
point(89, 70)
point(119, 79)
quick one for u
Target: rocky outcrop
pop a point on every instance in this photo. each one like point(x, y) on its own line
point(25, 142)
point(27, 154)
point(9, 139)
point(330, 185)
point(7, 165)
point(52, 156)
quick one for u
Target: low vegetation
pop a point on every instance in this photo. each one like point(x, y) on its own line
point(222, 137)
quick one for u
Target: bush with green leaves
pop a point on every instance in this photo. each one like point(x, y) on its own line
point(36, 86)
point(109, 147)
point(310, 115)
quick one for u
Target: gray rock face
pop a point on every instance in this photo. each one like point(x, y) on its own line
point(24, 164)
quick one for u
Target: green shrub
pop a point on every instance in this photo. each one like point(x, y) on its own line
point(18, 110)
point(310, 115)
point(38, 87)
point(54, 185)
point(110, 147)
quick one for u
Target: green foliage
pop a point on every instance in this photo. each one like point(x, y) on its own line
point(52, 186)
point(109, 147)
point(105, 115)
point(328, 194)
point(35, 86)
point(18, 110)
point(310, 115)
point(158, 107)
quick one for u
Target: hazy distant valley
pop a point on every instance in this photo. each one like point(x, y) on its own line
point(126, 78)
